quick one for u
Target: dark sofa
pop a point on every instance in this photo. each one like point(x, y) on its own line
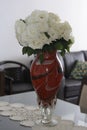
point(71, 88)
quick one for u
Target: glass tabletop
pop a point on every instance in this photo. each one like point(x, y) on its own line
point(64, 109)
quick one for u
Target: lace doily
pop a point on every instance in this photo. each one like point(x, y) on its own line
point(20, 112)
point(3, 103)
point(27, 115)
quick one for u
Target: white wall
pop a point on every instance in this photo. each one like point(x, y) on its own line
point(10, 10)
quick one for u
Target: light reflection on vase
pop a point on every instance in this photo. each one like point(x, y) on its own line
point(46, 78)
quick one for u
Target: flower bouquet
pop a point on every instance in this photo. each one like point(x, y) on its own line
point(43, 31)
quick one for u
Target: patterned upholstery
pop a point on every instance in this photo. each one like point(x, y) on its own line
point(79, 70)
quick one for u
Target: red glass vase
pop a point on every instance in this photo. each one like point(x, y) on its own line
point(46, 78)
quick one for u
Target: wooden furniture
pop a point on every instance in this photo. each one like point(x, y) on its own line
point(83, 99)
point(83, 96)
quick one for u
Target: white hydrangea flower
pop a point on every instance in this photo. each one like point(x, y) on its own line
point(39, 41)
point(32, 31)
point(37, 16)
point(24, 39)
point(66, 31)
point(53, 34)
point(40, 27)
point(54, 17)
point(20, 27)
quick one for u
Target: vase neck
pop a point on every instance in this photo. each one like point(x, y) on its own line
point(49, 55)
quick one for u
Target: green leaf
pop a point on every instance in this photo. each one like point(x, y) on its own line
point(22, 20)
point(27, 50)
point(47, 35)
point(58, 45)
point(62, 52)
point(41, 58)
point(46, 47)
point(37, 51)
point(24, 50)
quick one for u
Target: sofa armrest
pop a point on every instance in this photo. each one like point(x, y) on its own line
point(2, 83)
point(84, 80)
point(8, 84)
point(8, 78)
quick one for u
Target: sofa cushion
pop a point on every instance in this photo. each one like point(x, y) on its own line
point(72, 87)
point(70, 59)
point(79, 70)
point(74, 99)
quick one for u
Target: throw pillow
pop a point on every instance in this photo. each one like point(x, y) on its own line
point(79, 70)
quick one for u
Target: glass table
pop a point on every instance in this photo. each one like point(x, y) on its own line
point(64, 109)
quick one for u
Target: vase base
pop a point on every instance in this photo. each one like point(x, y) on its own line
point(52, 123)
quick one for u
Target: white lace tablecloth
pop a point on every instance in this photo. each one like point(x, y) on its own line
point(27, 115)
